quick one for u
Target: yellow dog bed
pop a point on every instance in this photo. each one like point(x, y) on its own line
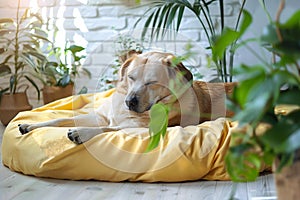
point(190, 153)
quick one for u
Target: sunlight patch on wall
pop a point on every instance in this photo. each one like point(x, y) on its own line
point(78, 21)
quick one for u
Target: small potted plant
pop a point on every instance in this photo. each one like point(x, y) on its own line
point(20, 42)
point(266, 103)
point(125, 45)
point(58, 76)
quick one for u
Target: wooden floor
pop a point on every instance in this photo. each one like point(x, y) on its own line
point(17, 186)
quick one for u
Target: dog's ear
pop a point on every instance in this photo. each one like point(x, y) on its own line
point(124, 67)
point(178, 68)
point(128, 54)
point(126, 59)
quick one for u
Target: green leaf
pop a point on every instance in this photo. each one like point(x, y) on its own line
point(34, 85)
point(291, 96)
point(4, 31)
point(4, 70)
point(247, 20)
point(162, 17)
point(284, 136)
point(64, 81)
point(75, 49)
point(293, 21)
point(285, 160)
point(2, 91)
point(6, 21)
point(39, 37)
point(250, 81)
point(179, 18)
point(29, 61)
point(83, 90)
point(269, 34)
point(223, 42)
point(38, 55)
point(158, 124)
point(51, 64)
point(169, 19)
point(12, 83)
point(241, 164)
point(87, 72)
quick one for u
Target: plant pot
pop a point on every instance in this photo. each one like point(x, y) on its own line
point(288, 180)
point(11, 105)
point(52, 93)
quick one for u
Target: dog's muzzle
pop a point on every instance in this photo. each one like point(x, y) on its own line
point(132, 102)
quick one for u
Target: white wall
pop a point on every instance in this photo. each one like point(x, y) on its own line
point(96, 23)
point(259, 22)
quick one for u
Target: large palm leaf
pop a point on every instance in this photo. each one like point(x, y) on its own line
point(162, 15)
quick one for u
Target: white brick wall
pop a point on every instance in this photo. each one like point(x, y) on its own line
point(97, 22)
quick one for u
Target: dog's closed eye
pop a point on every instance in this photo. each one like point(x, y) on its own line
point(151, 82)
point(131, 78)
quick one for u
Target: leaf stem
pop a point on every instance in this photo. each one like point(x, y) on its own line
point(16, 58)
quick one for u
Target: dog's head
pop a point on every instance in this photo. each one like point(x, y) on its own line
point(150, 78)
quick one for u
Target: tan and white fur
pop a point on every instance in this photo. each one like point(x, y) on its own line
point(144, 80)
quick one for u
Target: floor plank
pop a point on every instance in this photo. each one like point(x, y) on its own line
point(16, 186)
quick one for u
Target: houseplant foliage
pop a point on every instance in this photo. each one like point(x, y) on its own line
point(125, 45)
point(20, 42)
point(65, 67)
point(264, 89)
point(163, 15)
point(58, 76)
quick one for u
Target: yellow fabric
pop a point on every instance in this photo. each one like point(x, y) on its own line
point(190, 153)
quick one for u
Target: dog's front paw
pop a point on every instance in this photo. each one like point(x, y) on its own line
point(24, 128)
point(74, 136)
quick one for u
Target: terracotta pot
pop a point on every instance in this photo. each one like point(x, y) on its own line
point(52, 93)
point(288, 180)
point(11, 105)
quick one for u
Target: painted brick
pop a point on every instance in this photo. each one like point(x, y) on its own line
point(190, 23)
point(102, 59)
point(23, 4)
point(132, 11)
point(106, 22)
point(100, 35)
point(46, 3)
point(4, 3)
point(74, 2)
point(112, 2)
point(191, 34)
point(85, 12)
point(94, 47)
point(109, 11)
point(215, 9)
point(4, 13)
point(97, 23)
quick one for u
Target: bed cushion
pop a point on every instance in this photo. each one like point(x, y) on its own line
point(190, 153)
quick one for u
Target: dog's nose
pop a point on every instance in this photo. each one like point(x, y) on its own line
point(132, 103)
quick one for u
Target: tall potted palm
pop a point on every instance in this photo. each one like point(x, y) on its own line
point(162, 15)
point(20, 41)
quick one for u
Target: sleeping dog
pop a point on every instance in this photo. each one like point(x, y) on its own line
point(144, 80)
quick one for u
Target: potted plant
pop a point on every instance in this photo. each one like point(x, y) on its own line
point(125, 45)
point(58, 76)
point(163, 15)
point(266, 103)
point(20, 42)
